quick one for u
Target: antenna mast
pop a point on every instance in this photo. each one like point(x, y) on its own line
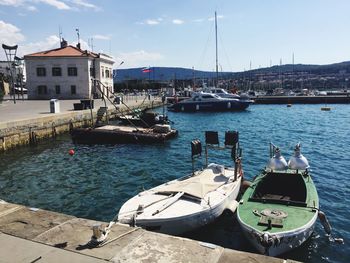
point(216, 51)
point(60, 33)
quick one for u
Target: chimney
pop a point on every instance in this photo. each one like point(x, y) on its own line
point(78, 45)
point(64, 43)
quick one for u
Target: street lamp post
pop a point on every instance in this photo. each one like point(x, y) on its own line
point(10, 52)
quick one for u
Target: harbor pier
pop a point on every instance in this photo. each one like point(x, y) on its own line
point(36, 235)
point(29, 121)
point(330, 99)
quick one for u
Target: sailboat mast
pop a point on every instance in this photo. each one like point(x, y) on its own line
point(216, 47)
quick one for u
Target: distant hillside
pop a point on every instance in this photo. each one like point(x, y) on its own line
point(312, 69)
point(161, 74)
point(171, 73)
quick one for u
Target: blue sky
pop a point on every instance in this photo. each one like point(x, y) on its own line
point(181, 33)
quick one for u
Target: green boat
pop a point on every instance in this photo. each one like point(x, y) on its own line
point(277, 213)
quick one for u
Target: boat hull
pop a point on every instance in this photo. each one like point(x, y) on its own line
point(284, 242)
point(185, 214)
point(179, 225)
point(233, 105)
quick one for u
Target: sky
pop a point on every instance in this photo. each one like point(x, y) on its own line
point(181, 33)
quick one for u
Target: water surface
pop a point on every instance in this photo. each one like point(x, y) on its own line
point(98, 179)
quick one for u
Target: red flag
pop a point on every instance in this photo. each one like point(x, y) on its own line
point(146, 70)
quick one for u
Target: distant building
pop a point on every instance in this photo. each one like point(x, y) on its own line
point(17, 71)
point(4, 68)
point(67, 73)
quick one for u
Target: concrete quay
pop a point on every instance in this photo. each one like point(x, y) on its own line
point(28, 121)
point(35, 235)
point(330, 99)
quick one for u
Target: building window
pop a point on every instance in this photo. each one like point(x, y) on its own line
point(72, 71)
point(73, 89)
point(103, 72)
point(42, 90)
point(58, 89)
point(107, 73)
point(41, 72)
point(56, 71)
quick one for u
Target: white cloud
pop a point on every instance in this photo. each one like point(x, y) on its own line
point(178, 21)
point(152, 22)
point(55, 3)
point(31, 8)
point(12, 2)
point(10, 34)
point(50, 42)
point(139, 58)
point(85, 4)
point(101, 37)
point(32, 5)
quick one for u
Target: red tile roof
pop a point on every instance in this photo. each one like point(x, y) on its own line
point(68, 51)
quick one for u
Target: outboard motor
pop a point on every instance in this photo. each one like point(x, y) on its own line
point(277, 162)
point(298, 161)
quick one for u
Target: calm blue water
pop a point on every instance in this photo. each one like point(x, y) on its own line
point(96, 181)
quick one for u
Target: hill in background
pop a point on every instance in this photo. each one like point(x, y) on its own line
point(171, 73)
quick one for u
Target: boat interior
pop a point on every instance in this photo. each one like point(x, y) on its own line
point(281, 187)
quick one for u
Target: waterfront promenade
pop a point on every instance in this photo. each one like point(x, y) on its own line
point(31, 109)
point(28, 121)
point(35, 235)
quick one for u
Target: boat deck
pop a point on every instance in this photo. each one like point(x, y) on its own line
point(123, 128)
point(298, 211)
point(114, 134)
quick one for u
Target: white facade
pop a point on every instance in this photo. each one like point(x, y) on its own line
point(66, 73)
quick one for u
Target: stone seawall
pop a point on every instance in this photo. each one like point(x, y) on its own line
point(30, 131)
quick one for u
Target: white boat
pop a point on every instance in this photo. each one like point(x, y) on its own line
point(187, 203)
point(225, 94)
point(202, 101)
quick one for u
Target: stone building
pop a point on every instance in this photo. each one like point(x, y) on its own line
point(68, 72)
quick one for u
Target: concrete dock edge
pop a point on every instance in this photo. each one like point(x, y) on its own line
point(36, 235)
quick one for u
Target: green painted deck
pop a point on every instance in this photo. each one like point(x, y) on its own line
point(298, 216)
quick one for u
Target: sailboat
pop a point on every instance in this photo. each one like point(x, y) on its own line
point(211, 100)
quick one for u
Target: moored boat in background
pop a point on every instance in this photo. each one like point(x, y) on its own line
point(201, 101)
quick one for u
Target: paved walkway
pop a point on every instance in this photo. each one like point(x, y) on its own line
point(30, 109)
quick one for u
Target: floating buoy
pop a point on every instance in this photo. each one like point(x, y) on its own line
point(71, 152)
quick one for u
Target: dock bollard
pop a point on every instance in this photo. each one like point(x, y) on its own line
point(98, 235)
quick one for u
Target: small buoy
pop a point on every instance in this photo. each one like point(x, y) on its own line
point(71, 152)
